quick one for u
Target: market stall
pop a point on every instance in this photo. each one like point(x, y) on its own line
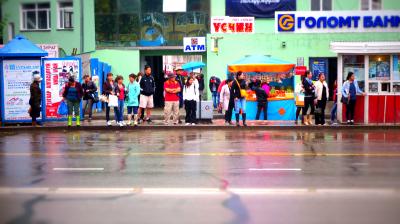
point(275, 73)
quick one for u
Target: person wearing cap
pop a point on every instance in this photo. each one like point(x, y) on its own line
point(73, 93)
point(172, 88)
point(35, 101)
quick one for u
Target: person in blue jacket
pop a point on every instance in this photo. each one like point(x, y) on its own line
point(132, 101)
point(349, 91)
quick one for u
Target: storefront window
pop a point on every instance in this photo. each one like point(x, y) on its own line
point(379, 67)
point(143, 22)
point(373, 87)
point(355, 64)
point(396, 67)
point(396, 87)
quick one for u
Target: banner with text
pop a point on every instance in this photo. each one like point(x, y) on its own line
point(226, 24)
point(56, 74)
point(16, 86)
point(258, 8)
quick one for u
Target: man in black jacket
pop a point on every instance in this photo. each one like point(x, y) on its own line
point(262, 100)
point(89, 91)
point(147, 90)
point(213, 85)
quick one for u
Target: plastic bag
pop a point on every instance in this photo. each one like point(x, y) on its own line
point(62, 108)
point(112, 101)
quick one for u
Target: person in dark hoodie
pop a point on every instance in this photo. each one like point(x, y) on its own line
point(262, 101)
point(213, 85)
point(239, 93)
point(35, 101)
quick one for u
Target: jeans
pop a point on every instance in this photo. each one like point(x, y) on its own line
point(240, 104)
point(350, 107)
point(120, 110)
point(190, 107)
point(108, 113)
point(85, 104)
point(262, 106)
point(73, 107)
point(333, 112)
point(215, 99)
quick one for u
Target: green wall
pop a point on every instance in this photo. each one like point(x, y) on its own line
point(66, 39)
point(123, 62)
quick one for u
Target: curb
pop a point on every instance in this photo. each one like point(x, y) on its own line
point(201, 128)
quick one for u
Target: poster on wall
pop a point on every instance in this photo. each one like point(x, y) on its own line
point(16, 86)
point(258, 8)
point(396, 67)
point(317, 66)
point(56, 73)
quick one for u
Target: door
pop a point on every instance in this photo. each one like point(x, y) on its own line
point(156, 65)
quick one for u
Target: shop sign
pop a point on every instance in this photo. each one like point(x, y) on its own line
point(51, 49)
point(258, 8)
point(226, 24)
point(56, 74)
point(18, 76)
point(337, 21)
point(194, 44)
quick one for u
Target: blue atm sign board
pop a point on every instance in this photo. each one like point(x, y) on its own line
point(194, 44)
point(337, 21)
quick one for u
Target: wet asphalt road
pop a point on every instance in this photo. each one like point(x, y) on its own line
point(207, 176)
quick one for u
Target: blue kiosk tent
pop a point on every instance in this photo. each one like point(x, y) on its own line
point(19, 58)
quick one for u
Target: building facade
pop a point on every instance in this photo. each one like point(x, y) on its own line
point(127, 34)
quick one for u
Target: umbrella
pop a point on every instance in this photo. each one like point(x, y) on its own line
point(193, 65)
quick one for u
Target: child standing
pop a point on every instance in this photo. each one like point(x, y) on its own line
point(132, 99)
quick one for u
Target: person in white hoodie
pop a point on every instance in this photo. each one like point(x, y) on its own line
point(190, 98)
point(226, 101)
point(322, 92)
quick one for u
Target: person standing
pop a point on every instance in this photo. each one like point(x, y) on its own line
point(201, 85)
point(147, 90)
point(227, 100)
point(350, 90)
point(334, 108)
point(213, 85)
point(109, 89)
point(172, 88)
point(309, 96)
point(35, 100)
point(133, 90)
point(322, 92)
point(299, 91)
point(89, 89)
point(120, 92)
point(73, 93)
point(190, 97)
point(240, 94)
point(262, 101)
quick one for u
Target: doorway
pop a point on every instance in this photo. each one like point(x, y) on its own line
point(156, 64)
point(327, 65)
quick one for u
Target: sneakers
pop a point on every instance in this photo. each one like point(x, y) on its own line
point(149, 120)
point(109, 123)
point(348, 122)
point(193, 123)
point(352, 122)
point(187, 124)
point(227, 123)
point(121, 124)
point(135, 123)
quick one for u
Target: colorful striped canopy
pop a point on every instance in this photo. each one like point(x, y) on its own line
point(261, 63)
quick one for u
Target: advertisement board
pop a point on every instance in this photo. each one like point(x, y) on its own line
point(337, 21)
point(56, 73)
point(17, 78)
point(258, 8)
point(194, 44)
point(52, 49)
point(226, 24)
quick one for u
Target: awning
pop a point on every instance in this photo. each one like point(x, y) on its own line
point(260, 63)
point(365, 47)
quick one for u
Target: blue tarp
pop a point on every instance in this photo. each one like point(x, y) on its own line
point(21, 47)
